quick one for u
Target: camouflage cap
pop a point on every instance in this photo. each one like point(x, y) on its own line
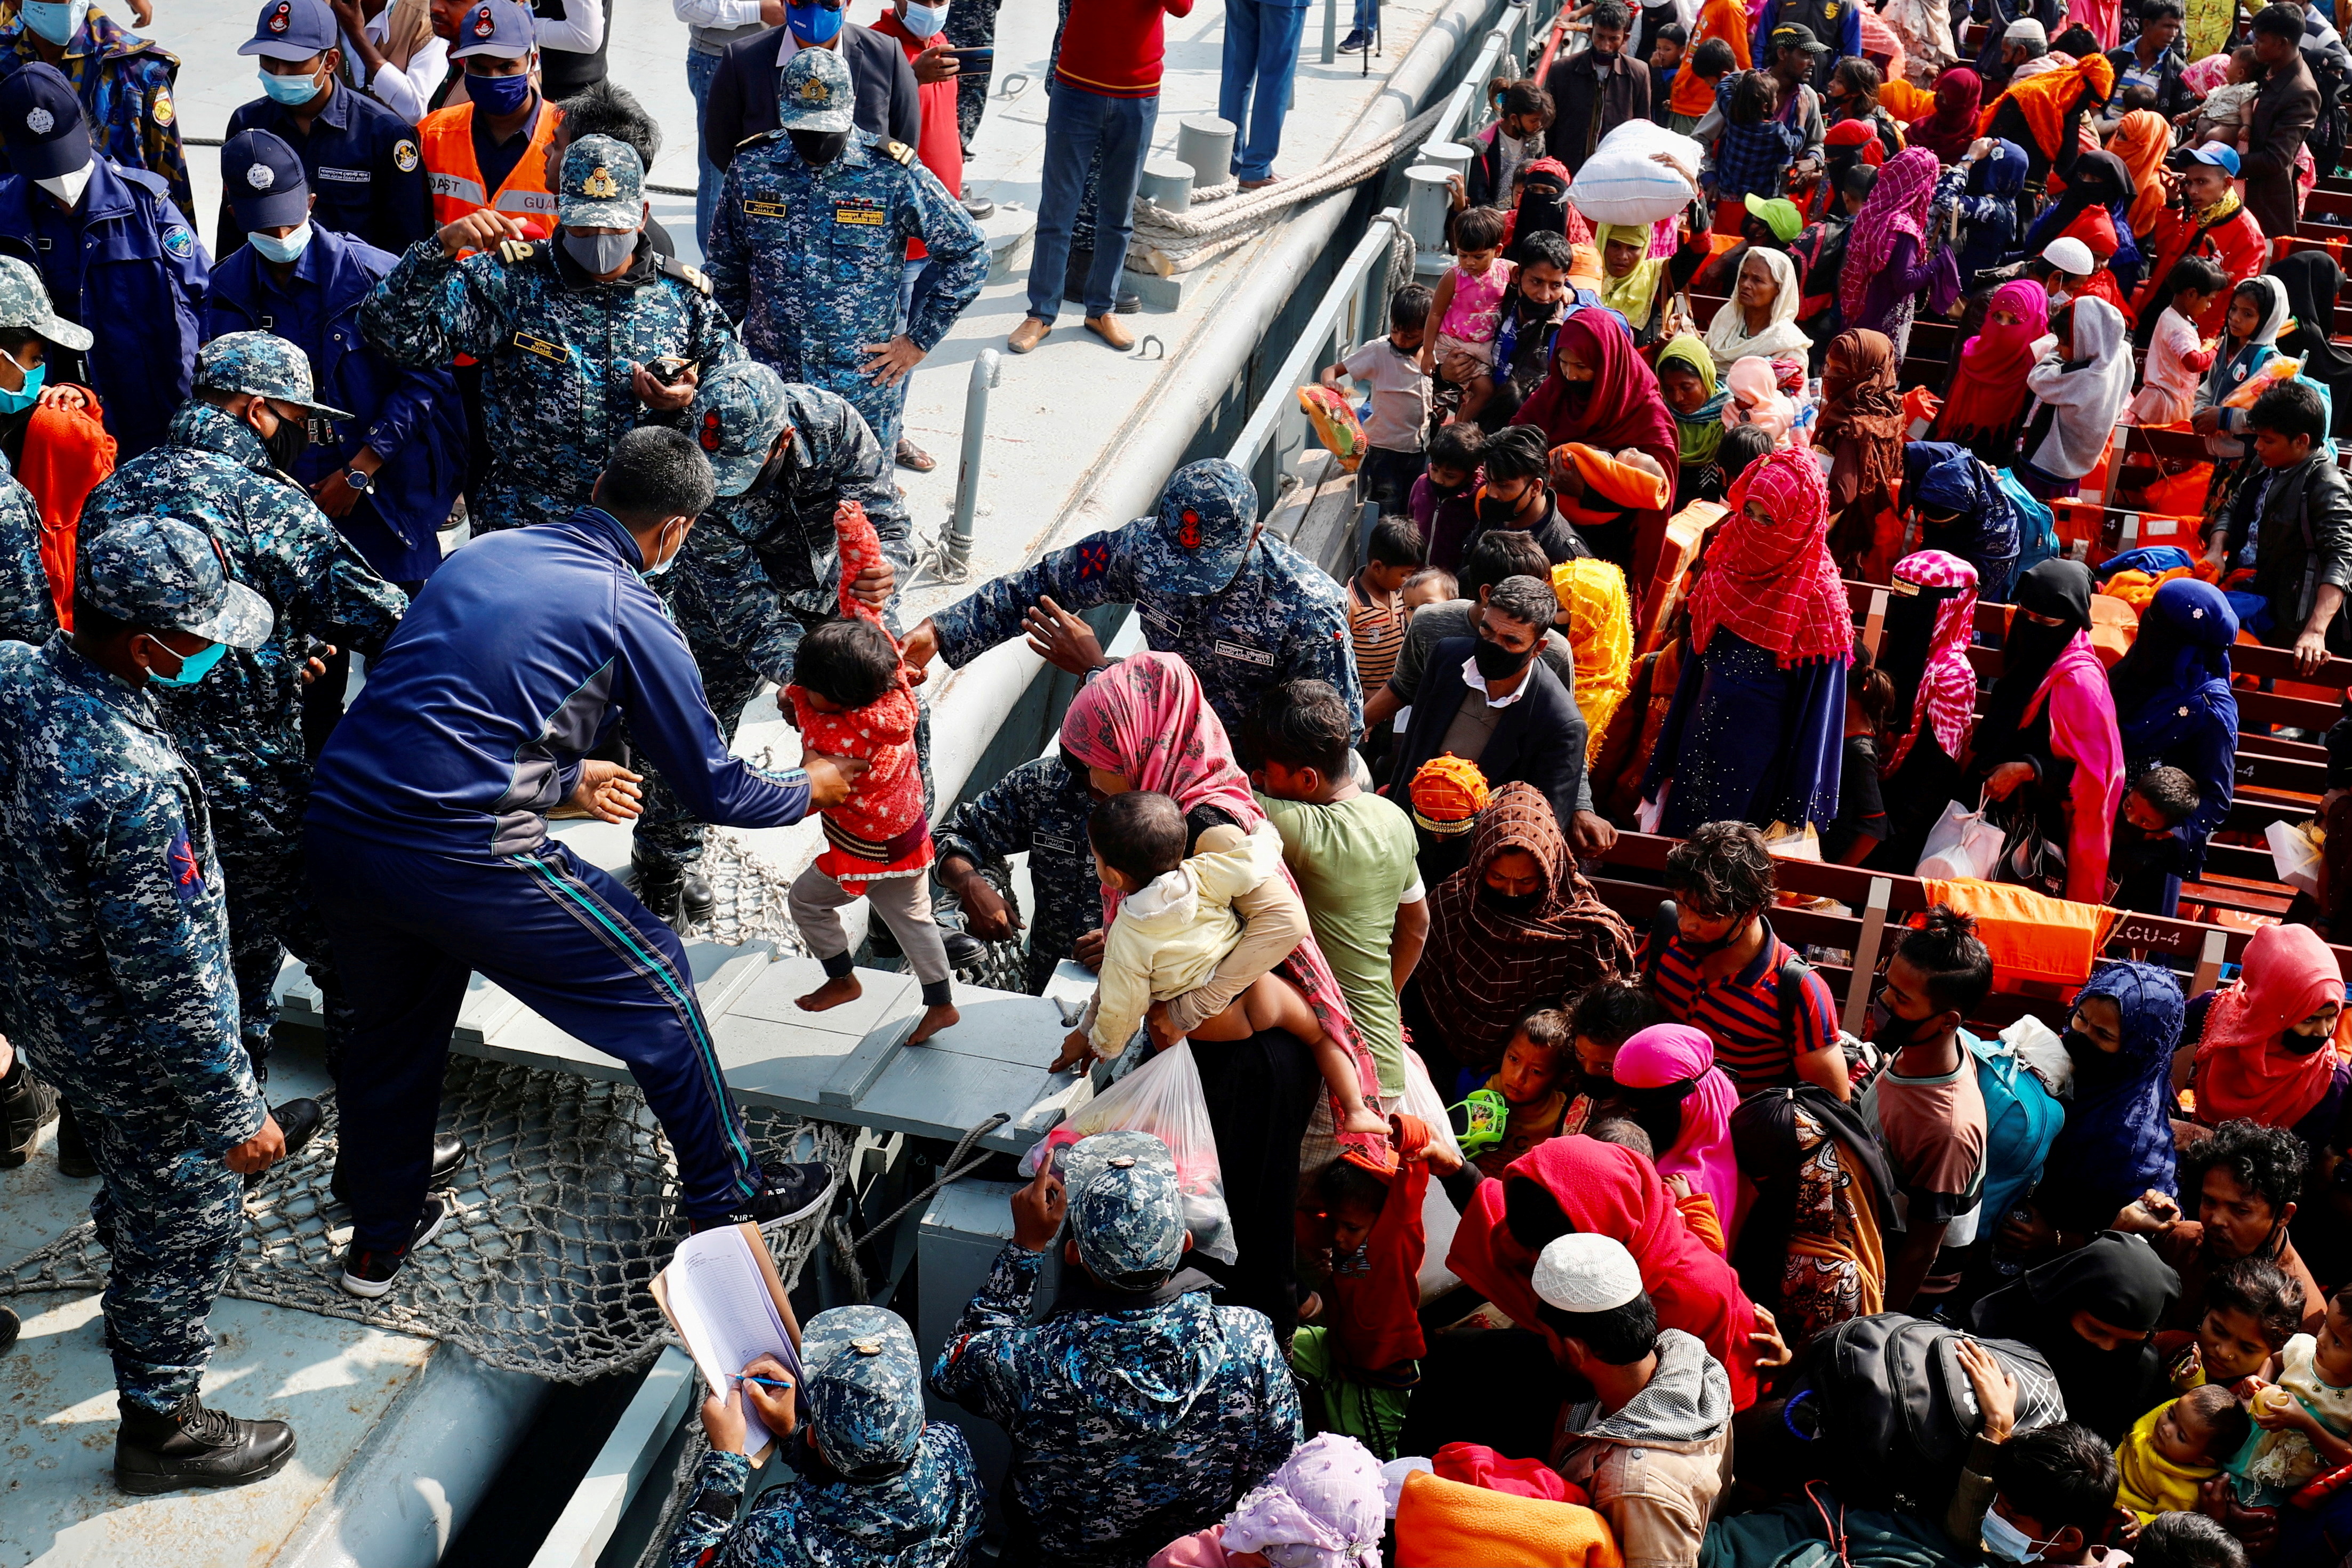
point(737, 414)
point(816, 92)
point(262, 363)
point(604, 185)
point(1208, 516)
point(155, 571)
point(1126, 1212)
point(23, 302)
point(864, 1382)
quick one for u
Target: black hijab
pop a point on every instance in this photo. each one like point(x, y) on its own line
point(2097, 180)
point(2313, 281)
point(1764, 1143)
point(1543, 209)
point(2118, 1279)
point(1912, 611)
point(2061, 587)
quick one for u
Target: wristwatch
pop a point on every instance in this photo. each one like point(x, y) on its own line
point(359, 480)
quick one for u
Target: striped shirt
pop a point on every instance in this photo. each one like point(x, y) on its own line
point(1741, 1013)
point(1378, 632)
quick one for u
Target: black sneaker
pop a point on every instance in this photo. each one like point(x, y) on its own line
point(194, 1446)
point(448, 1156)
point(369, 1273)
point(1354, 42)
point(26, 1105)
point(73, 1154)
point(792, 1192)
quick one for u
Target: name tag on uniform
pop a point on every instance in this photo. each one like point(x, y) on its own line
point(346, 176)
point(862, 212)
point(1247, 655)
point(547, 351)
point(1048, 842)
point(763, 209)
point(1158, 619)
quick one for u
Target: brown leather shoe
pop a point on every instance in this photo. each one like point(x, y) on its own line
point(1107, 329)
point(1028, 335)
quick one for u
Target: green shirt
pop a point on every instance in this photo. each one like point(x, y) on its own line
point(1355, 864)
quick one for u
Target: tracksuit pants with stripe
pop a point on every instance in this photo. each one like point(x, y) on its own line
point(566, 939)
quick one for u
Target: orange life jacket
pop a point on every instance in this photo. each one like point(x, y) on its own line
point(455, 179)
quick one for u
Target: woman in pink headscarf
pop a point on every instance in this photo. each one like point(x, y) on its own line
point(1987, 405)
point(2267, 1041)
point(1887, 260)
point(1667, 1077)
point(1142, 724)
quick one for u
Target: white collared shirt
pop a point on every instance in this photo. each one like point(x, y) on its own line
point(1478, 683)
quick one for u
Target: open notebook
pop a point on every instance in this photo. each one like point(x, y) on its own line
point(722, 1294)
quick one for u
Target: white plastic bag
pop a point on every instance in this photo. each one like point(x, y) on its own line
point(1797, 843)
point(1962, 844)
point(2296, 857)
point(1623, 182)
point(1163, 1098)
point(1421, 1098)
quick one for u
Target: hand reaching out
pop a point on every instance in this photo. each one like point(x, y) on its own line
point(608, 791)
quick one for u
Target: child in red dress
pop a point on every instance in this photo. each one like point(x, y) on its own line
point(850, 697)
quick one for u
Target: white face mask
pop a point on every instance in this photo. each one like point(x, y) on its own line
point(67, 188)
point(2004, 1542)
point(925, 21)
point(55, 20)
point(668, 561)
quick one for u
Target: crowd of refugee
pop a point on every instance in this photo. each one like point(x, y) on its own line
point(1530, 1232)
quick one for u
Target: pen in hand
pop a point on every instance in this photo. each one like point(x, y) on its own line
point(763, 1382)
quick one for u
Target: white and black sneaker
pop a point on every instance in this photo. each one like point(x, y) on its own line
point(368, 1272)
point(792, 1192)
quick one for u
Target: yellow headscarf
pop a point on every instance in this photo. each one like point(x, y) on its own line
point(2150, 1483)
point(1634, 295)
point(1600, 633)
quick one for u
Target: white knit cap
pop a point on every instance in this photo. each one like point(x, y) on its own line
point(2068, 254)
point(2025, 30)
point(1581, 1272)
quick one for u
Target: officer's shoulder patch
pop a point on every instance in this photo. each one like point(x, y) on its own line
point(180, 865)
point(899, 153)
point(693, 277)
point(404, 155)
point(178, 243)
point(515, 252)
point(163, 112)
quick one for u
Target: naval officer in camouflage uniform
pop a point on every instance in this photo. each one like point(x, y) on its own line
point(28, 613)
point(1246, 612)
point(874, 1482)
point(581, 340)
point(116, 966)
point(760, 568)
point(807, 247)
point(1043, 807)
point(1108, 1469)
point(226, 467)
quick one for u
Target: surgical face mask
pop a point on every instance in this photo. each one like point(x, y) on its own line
point(271, 248)
point(818, 148)
point(22, 398)
point(285, 447)
point(925, 21)
point(1496, 662)
point(290, 90)
point(668, 561)
point(499, 96)
point(191, 666)
point(67, 188)
point(55, 20)
point(2003, 1541)
point(813, 24)
point(600, 254)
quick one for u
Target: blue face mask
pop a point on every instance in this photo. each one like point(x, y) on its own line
point(192, 668)
point(2004, 1542)
point(813, 24)
point(499, 95)
point(290, 90)
point(925, 21)
point(663, 569)
point(55, 20)
point(22, 398)
point(272, 248)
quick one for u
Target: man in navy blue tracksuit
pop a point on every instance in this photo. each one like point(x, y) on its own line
point(429, 855)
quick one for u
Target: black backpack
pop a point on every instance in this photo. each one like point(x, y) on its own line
point(1891, 1412)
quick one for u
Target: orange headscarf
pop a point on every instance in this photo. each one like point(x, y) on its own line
point(2141, 141)
point(2044, 100)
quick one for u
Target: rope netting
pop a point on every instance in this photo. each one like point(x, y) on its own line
point(558, 1222)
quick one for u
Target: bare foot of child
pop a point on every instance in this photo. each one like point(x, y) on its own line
point(1364, 1119)
point(840, 989)
point(935, 1019)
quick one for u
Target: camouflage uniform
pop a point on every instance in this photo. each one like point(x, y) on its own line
point(241, 729)
point(1041, 806)
point(1244, 618)
point(861, 1410)
point(1108, 1469)
point(124, 82)
point(760, 567)
point(28, 613)
point(557, 347)
point(808, 259)
point(115, 956)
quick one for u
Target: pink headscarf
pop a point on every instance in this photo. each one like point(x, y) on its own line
point(1897, 206)
point(1676, 1053)
point(2202, 77)
point(1756, 399)
point(1946, 693)
point(2242, 1071)
point(2082, 727)
point(1144, 719)
point(1325, 1503)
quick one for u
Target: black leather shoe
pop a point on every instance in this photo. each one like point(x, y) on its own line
point(73, 1154)
point(662, 889)
point(10, 1327)
point(194, 1446)
point(26, 1105)
point(299, 1121)
point(964, 949)
point(448, 1158)
point(695, 895)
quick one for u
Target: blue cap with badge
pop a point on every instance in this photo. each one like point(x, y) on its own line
point(1208, 519)
point(41, 123)
point(737, 414)
point(815, 93)
point(293, 30)
point(264, 180)
point(501, 28)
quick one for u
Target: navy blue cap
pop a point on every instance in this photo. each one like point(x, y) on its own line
point(264, 180)
point(41, 123)
point(501, 28)
point(293, 30)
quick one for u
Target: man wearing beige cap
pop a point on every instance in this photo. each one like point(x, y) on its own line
point(1653, 1448)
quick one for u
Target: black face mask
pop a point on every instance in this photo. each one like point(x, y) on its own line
point(1659, 1111)
point(1513, 902)
point(818, 148)
point(1496, 662)
point(1891, 1033)
point(285, 447)
point(775, 471)
point(2093, 1066)
point(2296, 1044)
point(1495, 511)
point(1600, 1086)
point(1699, 949)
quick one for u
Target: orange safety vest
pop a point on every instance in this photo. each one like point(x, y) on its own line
point(456, 180)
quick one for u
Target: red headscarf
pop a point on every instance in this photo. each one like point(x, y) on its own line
point(1988, 389)
point(1613, 1192)
point(1774, 583)
point(1621, 407)
point(2242, 1069)
point(1953, 126)
point(1897, 206)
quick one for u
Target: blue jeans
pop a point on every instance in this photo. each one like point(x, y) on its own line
point(699, 69)
point(1076, 123)
point(1260, 52)
point(1368, 17)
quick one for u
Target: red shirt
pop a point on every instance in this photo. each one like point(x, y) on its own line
point(2236, 243)
point(940, 146)
point(1114, 46)
point(1377, 1294)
